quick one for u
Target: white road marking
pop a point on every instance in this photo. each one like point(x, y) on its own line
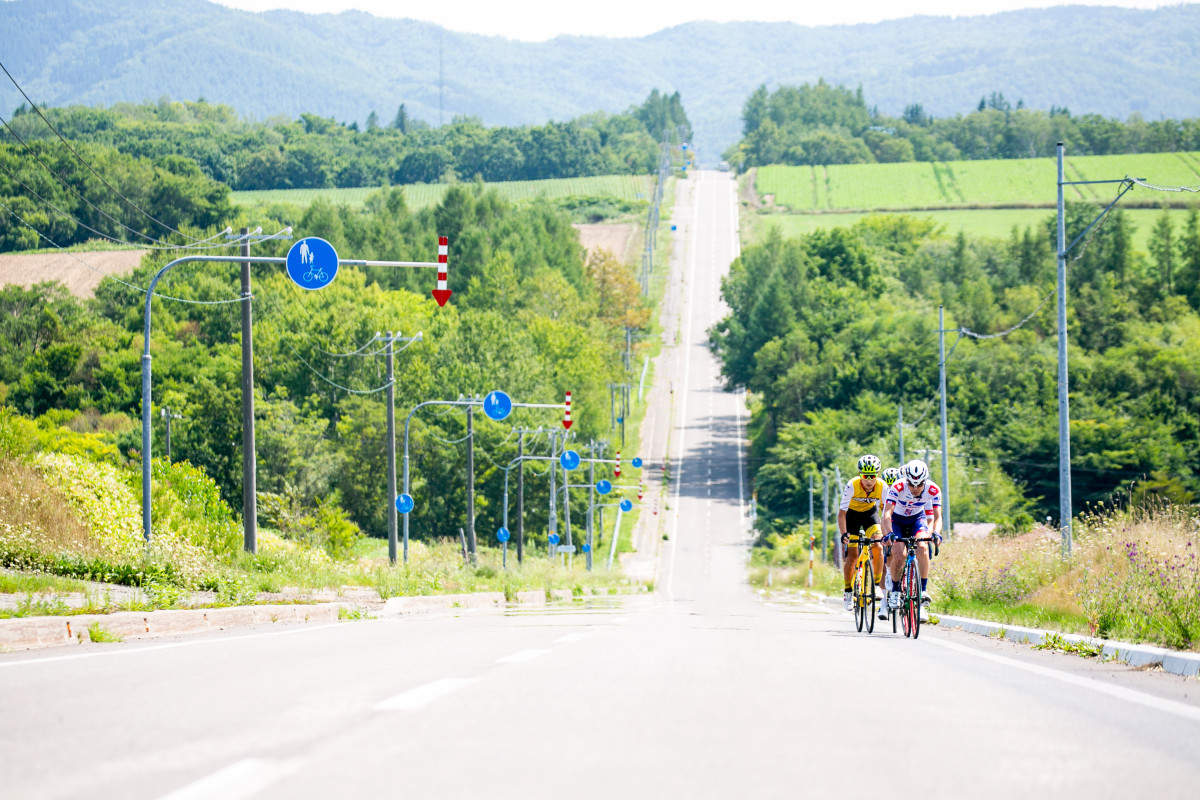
point(240, 779)
point(217, 640)
point(423, 695)
point(521, 655)
point(570, 637)
point(687, 371)
point(1120, 692)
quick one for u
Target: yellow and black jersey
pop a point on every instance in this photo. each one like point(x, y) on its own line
point(857, 498)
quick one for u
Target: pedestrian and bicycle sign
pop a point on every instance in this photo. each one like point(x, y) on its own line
point(503, 535)
point(569, 460)
point(497, 405)
point(554, 540)
point(626, 505)
point(637, 463)
point(404, 503)
point(312, 263)
point(603, 487)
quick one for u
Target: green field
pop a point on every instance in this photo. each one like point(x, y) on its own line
point(1012, 183)
point(993, 222)
point(419, 195)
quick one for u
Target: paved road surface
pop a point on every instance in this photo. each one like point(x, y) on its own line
point(701, 690)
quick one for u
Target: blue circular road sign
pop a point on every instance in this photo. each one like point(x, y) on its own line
point(502, 535)
point(312, 263)
point(553, 539)
point(603, 487)
point(569, 459)
point(637, 463)
point(587, 548)
point(626, 505)
point(404, 503)
point(497, 405)
point(674, 227)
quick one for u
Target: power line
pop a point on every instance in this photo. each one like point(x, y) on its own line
point(1159, 188)
point(974, 335)
point(134, 205)
point(135, 287)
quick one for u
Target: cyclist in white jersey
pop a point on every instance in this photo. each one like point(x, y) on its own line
point(913, 507)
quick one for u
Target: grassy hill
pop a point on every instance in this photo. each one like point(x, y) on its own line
point(980, 198)
point(1118, 61)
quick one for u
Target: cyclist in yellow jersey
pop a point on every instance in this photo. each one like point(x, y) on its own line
point(861, 501)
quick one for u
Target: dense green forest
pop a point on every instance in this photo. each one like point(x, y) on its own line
point(530, 315)
point(1111, 61)
point(313, 152)
point(825, 124)
point(833, 330)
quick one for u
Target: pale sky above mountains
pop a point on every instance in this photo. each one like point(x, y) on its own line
point(538, 20)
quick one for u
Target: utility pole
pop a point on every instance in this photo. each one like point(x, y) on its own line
point(900, 430)
point(391, 450)
point(553, 493)
point(825, 517)
point(1064, 403)
point(946, 526)
point(167, 416)
point(249, 465)
point(521, 497)
point(591, 499)
point(471, 483)
point(837, 540)
point(812, 522)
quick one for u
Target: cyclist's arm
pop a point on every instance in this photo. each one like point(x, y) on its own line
point(847, 495)
point(936, 514)
point(842, 521)
point(886, 522)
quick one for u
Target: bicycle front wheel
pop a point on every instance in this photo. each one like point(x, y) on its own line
point(857, 601)
point(915, 603)
point(869, 598)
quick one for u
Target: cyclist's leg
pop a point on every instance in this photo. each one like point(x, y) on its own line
point(923, 561)
point(849, 561)
point(876, 552)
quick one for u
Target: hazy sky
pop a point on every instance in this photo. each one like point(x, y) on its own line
point(537, 20)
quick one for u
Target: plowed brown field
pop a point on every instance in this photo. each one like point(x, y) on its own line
point(81, 272)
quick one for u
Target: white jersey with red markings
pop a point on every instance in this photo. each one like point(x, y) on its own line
point(908, 505)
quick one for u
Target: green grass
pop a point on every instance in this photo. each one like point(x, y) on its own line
point(630, 188)
point(1026, 615)
point(98, 634)
point(991, 222)
point(12, 582)
point(1011, 183)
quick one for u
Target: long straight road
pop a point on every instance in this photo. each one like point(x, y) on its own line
point(699, 690)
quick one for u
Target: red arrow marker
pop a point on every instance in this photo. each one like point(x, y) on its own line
point(567, 413)
point(441, 293)
point(617, 469)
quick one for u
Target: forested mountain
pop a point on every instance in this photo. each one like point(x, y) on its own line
point(1103, 60)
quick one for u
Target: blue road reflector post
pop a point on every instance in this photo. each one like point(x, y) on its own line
point(502, 535)
point(603, 486)
point(312, 263)
point(569, 460)
point(404, 503)
point(497, 405)
point(637, 463)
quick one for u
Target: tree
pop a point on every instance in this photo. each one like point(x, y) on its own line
point(1188, 273)
point(400, 122)
point(372, 120)
point(1162, 249)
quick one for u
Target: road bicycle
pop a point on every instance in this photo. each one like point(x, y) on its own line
point(864, 582)
point(910, 587)
point(315, 274)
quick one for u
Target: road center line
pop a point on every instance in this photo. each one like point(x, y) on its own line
point(423, 695)
point(521, 655)
point(241, 779)
point(1120, 692)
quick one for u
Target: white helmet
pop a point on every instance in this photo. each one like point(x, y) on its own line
point(915, 472)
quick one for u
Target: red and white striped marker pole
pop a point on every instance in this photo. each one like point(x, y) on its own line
point(442, 292)
point(617, 468)
point(567, 413)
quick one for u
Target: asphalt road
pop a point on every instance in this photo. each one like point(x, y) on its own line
point(700, 690)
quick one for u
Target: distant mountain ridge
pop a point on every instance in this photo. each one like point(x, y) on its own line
point(1107, 60)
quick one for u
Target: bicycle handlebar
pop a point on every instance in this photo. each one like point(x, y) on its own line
point(912, 540)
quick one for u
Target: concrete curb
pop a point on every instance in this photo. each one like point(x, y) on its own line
point(27, 633)
point(1135, 655)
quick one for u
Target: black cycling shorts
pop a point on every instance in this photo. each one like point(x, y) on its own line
point(861, 521)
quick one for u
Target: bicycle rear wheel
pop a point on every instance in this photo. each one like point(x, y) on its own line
point(905, 619)
point(857, 601)
point(869, 598)
point(915, 603)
